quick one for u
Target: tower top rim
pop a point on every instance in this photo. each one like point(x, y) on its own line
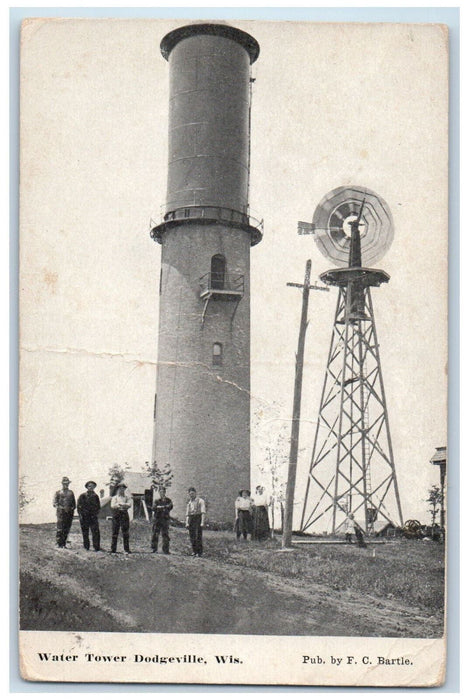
point(222, 30)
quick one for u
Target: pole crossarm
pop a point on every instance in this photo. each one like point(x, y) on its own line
point(311, 286)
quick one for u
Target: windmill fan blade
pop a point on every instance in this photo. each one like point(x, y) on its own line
point(361, 210)
point(373, 217)
point(336, 221)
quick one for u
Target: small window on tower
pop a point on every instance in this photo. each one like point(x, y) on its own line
point(217, 355)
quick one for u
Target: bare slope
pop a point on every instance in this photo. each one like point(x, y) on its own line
point(397, 590)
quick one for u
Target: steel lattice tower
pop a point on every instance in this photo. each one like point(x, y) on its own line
point(352, 467)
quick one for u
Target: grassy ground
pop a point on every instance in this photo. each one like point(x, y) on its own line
point(410, 571)
point(395, 589)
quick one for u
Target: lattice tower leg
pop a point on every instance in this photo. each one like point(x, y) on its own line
point(352, 466)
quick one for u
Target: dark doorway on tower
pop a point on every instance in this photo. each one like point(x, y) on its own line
point(217, 272)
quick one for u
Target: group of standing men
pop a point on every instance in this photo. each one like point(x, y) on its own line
point(195, 521)
point(89, 505)
point(88, 508)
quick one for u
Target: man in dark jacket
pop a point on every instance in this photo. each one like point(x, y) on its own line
point(162, 507)
point(64, 504)
point(88, 509)
point(358, 532)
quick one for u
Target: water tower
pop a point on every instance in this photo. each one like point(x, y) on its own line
point(202, 401)
point(352, 466)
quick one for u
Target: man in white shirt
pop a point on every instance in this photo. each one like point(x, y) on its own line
point(195, 521)
point(349, 528)
point(243, 509)
point(120, 505)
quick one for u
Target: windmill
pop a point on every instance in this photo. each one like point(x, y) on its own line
point(352, 466)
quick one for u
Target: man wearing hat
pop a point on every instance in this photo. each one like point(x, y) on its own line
point(64, 504)
point(120, 505)
point(88, 508)
point(243, 519)
point(162, 507)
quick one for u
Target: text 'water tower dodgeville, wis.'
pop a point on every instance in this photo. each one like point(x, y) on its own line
point(202, 403)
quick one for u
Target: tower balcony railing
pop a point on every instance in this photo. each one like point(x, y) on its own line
point(214, 213)
point(221, 286)
point(210, 214)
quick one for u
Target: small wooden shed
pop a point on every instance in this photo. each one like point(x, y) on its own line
point(439, 460)
point(139, 487)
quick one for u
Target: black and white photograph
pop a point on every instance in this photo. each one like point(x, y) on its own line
point(233, 351)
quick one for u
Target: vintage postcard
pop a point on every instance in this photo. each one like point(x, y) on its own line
point(233, 348)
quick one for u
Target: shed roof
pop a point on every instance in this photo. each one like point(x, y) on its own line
point(137, 482)
point(440, 456)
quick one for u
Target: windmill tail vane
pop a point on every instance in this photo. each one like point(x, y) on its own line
point(305, 228)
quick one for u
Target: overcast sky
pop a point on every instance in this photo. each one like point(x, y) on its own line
point(333, 105)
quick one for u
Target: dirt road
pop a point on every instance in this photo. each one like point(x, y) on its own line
point(83, 591)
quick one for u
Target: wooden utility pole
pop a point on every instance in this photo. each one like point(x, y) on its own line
point(295, 428)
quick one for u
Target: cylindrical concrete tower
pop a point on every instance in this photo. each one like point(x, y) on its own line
point(202, 404)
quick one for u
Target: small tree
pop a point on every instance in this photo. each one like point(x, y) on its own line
point(160, 476)
point(435, 498)
point(116, 474)
point(274, 467)
point(24, 498)
point(272, 435)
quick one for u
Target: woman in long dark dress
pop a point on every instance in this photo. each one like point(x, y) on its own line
point(261, 526)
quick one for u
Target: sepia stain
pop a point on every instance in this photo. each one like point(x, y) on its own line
point(363, 153)
point(50, 278)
